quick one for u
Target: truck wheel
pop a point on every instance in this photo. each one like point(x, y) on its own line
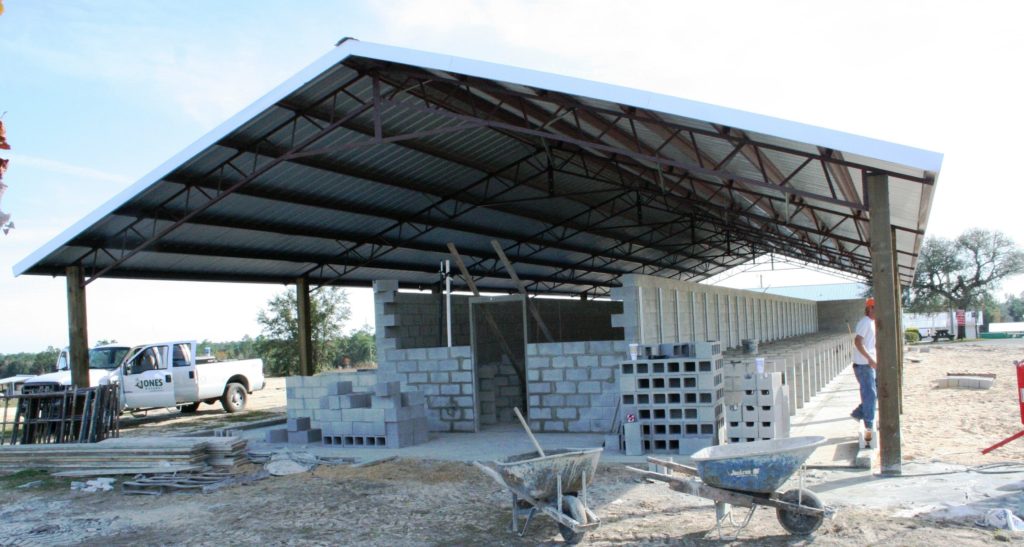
point(189, 409)
point(234, 398)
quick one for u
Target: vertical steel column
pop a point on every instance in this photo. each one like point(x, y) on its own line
point(887, 336)
point(78, 332)
point(305, 330)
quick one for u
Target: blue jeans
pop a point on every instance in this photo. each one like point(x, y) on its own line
point(868, 395)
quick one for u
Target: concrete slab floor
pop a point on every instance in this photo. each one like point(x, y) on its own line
point(934, 490)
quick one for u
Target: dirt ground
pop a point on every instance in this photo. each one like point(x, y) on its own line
point(416, 502)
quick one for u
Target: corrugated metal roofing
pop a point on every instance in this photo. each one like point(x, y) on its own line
point(366, 164)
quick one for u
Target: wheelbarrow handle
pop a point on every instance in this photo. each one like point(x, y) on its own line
point(692, 471)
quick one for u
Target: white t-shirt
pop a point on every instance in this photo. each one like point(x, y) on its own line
point(866, 330)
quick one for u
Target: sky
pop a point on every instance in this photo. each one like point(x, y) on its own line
point(99, 93)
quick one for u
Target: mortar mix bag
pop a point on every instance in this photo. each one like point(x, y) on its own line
point(1003, 519)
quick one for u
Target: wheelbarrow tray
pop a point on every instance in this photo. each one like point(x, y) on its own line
point(758, 467)
point(531, 476)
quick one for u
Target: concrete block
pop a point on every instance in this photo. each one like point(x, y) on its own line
point(389, 401)
point(463, 377)
point(412, 398)
point(633, 439)
point(298, 424)
point(277, 436)
point(386, 389)
point(304, 437)
point(354, 400)
point(589, 387)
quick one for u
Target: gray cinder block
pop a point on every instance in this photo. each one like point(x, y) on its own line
point(339, 388)
point(412, 398)
point(387, 388)
point(277, 435)
point(298, 424)
point(354, 400)
point(390, 401)
point(304, 437)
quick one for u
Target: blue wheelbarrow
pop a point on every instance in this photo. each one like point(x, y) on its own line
point(749, 475)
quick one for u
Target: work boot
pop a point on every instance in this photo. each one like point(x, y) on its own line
point(867, 436)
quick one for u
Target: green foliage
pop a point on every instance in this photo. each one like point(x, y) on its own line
point(279, 343)
point(1013, 308)
point(912, 335)
point(224, 351)
point(357, 349)
point(962, 273)
point(42, 362)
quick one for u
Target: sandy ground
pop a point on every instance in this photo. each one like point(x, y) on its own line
point(416, 502)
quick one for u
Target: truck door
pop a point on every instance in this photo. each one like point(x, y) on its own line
point(184, 373)
point(146, 380)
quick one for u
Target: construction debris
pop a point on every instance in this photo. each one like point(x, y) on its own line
point(126, 456)
point(202, 481)
point(102, 484)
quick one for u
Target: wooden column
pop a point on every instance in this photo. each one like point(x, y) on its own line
point(305, 330)
point(887, 335)
point(78, 333)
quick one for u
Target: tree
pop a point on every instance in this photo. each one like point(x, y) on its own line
point(1012, 307)
point(358, 348)
point(963, 273)
point(279, 343)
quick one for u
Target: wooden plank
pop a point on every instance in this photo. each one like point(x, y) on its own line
point(522, 290)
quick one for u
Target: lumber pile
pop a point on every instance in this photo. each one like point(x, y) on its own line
point(126, 456)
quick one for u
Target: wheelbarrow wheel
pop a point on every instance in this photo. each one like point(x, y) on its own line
point(573, 508)
point(796, 523)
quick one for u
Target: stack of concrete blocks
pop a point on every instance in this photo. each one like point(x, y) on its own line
point(573, 386)
point(808, 363)
point(677, 400)
point(499, 392)
point(299, 431)
point(757, 404)
point(384, 417)
point(304, 392)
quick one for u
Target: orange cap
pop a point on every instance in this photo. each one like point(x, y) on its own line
point(870, 303)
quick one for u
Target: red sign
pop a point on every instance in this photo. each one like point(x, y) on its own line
point(961, 317)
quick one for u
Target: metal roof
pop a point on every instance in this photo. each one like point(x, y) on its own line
point(368, 162)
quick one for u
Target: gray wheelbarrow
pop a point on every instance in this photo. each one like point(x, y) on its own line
point(749, 475)
point(552, 482)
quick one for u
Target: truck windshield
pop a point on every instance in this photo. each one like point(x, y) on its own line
point(106, 358)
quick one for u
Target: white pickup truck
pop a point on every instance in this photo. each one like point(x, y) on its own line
point(162, 375)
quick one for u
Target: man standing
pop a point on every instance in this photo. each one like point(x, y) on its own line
point(864, 365)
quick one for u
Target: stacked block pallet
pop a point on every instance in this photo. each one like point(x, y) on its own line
point(385, 417)
point(677, 400)
point(756, 405)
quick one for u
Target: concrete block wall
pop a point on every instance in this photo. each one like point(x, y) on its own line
point(838, 315)
point(660, 311)
point(444, 375)
point(757, 405)
point(303, 393)
point(416, 320)
point(573, 386)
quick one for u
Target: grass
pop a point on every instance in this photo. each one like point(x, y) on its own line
point(25, 476)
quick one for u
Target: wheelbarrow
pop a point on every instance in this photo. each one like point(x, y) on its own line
point(553, 483)
point(749, 475)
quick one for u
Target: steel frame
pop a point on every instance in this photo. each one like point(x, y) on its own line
point(703, 216)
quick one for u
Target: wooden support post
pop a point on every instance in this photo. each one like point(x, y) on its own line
point(78, 332)
point(899, 318)
point(887, 335)
point(522, 290)
point(305, 327)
